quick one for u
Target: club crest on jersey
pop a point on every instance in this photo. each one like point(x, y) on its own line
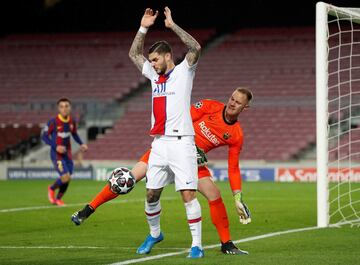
point(226, 136)
point(198, 105)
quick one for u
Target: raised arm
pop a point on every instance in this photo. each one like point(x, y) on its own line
point(194, 47)
point(136, 52)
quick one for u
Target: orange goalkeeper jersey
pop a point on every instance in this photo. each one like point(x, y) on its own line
point(212, 131)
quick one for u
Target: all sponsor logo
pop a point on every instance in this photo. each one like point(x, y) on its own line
point(310, 174)
point(63, 134)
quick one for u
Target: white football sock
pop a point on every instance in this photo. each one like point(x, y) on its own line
point(152, 211)
point(193, 212)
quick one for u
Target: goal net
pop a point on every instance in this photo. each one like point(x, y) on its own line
point(338, 114)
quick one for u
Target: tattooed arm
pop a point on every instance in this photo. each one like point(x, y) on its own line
point(194, 47)
point(136, 52)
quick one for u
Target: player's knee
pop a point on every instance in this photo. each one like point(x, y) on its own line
point(213, 195)
point(188, 195)
point(209, 190)
point(65, 178)
point(153, 195)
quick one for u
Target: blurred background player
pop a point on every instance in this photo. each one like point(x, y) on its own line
point(173, 145)
point(57, 134)
point(215, 124)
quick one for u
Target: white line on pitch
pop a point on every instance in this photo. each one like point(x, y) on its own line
point(51, 247)
point(31, 208)
point(78, 247)
point(160, 256)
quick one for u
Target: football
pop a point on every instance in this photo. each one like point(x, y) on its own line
point(121, 180)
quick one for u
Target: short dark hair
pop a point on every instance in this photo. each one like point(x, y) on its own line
point(161, 47)
point(245, 91)
point(63, 100)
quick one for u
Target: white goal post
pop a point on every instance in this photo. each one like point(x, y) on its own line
point(337, 114)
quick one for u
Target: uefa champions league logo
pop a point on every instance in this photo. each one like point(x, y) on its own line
point(198, 105)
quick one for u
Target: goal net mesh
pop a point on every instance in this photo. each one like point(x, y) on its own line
point(344, 115)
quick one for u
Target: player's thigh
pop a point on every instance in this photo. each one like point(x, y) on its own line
point(182, 161)
point(207, 187)
point(62, 167)
point(70, 166)
point(139, 170)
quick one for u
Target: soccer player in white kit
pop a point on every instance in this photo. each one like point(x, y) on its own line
point(173, 146)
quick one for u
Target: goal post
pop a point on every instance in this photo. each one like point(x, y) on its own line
point(322, 114)
point(337, 114)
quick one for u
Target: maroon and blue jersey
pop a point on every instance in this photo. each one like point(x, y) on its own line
point(58, 132)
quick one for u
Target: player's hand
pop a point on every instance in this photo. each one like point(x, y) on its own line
point(83, 148)
point(168, 19)
point(60, 149)
point(201, 157)
point(242, 210)
point(149, 18)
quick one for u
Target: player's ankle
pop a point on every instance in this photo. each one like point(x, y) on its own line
point(87, 211)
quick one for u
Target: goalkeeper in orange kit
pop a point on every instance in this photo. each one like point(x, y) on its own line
point(215, 124)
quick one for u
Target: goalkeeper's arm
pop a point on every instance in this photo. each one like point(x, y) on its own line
point(235, 184)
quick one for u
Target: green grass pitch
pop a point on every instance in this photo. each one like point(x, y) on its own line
point(45, 235)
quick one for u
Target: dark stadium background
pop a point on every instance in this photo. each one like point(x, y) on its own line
point(29, 16)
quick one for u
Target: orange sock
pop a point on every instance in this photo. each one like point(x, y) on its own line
point(219, 219)
point(103, 196)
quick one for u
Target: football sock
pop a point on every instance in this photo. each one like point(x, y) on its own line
point(153, 211)
point(56, 184)
point(103, 196)
point(86, 211)
point(62, 190)
point(193, 212)
point(220, 219)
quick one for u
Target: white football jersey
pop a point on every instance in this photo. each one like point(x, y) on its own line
point(171, 96)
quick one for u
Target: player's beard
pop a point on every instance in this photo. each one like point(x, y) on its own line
point(162, 70)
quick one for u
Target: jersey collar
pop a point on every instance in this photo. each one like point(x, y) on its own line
point(163, 78)
point(63, 119)
point(223, 115)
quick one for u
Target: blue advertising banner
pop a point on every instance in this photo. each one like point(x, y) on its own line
point(247, 174)
point(46, 173)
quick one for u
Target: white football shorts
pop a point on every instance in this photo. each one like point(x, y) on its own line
point(177, 153)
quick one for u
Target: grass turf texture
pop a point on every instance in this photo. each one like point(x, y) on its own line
point(120, 227)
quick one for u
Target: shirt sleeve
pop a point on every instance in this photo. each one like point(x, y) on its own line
point(191, 68)
point(46, 135)
point(203, 107)
point(75, 135)
point(197, 110)
point(148, 71)
point(233, 166)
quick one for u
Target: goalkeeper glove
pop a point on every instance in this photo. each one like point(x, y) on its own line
point(242, 210)
point(201, 157)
